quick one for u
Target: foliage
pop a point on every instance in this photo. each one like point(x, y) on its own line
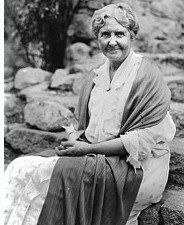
point(42, 27)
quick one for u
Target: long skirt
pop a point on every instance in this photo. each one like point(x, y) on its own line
point(28, 180)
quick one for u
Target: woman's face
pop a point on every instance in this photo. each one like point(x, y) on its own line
point(114, 40)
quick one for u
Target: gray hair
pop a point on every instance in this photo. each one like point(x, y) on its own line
point(121, 12)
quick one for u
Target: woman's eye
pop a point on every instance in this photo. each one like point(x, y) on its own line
point(120, 34)
point(105, 34)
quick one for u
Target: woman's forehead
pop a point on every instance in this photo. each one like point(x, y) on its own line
point(111, 24)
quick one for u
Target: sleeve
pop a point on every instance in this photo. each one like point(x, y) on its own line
point(141, 144)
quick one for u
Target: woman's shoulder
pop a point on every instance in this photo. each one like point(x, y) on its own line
point(149, 63)
point(149, 68)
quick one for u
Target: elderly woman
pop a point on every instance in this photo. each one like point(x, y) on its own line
point(119, 163)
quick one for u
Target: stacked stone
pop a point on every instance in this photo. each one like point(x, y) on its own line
point(41, 102)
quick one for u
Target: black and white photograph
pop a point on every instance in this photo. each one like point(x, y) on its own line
point(93, 112)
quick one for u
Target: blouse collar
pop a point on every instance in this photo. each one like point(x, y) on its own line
point(120, 76)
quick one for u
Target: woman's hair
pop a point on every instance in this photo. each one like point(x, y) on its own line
point(121, 12)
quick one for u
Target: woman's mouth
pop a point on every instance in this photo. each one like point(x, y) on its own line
point(112, 49)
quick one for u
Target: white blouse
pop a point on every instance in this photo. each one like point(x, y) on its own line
point(106, 104)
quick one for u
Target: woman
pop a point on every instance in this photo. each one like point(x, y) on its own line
point(119, 164)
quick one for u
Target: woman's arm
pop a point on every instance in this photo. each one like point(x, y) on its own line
point(109, 148)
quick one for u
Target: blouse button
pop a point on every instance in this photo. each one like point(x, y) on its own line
point(108, 88)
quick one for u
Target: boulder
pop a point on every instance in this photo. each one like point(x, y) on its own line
point(47, 115)
point(77, 68)
point(35, 89)
point(9, 155)
point(57, 77)
point(93, 5)
point(64, 83)
point(8, 86)
point(13, 109)
point(161, 23)
point(151, 215)
point(68, 101)
point(30, 76)
point(169, 211)
point(5, 129)
point(170, 63)
point(176, 85)
point(77, 53)
point(88, 65)
point(177, 113)
point(167, 9)
point(176, 171)
point(80, 28)
point(26, 140)
point(165, 46)
point(173, 208)
point(8, 72)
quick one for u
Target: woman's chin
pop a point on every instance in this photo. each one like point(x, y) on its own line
point(114, 57)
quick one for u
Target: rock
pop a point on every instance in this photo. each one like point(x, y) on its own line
point(65, 83)
point(9, 155)
point(77, 53)
point(167, 9)
point(77, 68)
point(8, 72)
point(13, 108)
point(47, 115)
point(176, 171)
point(95, 61)
point(94, 47)
point(35, 89)
point(93, 5)
point(57, 77)
point(173, 208)
point(30, 76)
point(177, 146)
point(176, 85)
point(151, 215)
point(15, 126)
point(177, 113)
point(169, 211)
point(67, 99)
point(5, 129)
point(92, 63)
point(169, 69)
point(80, 28)
point(165, 46)
point(170, 63)
point(162, 21)
point(32, 141)
point(8, 79)
point(14, 55)
point(69, 102)
point(8, 87)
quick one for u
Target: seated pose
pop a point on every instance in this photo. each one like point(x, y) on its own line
point(116, 164)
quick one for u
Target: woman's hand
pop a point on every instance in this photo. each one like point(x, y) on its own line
point(77, 148)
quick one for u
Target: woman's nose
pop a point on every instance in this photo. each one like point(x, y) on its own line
point(112, 41)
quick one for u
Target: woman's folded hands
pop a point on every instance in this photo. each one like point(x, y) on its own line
point(112, 147)
point(73, 148)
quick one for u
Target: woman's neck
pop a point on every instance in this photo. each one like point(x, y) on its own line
point(112, 69)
